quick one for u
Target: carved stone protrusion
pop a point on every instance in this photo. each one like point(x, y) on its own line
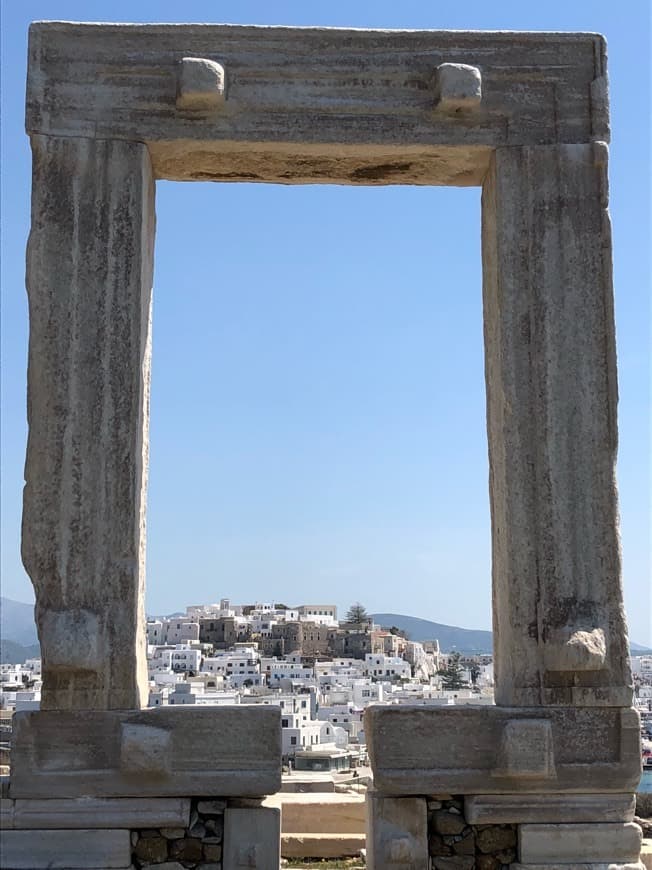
point(145, 749)
point(526, 750)
point(72, 640)
point(458, 86)
point(201, 86)
point(576, 650)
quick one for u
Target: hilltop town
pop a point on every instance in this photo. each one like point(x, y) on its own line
point(322, 672)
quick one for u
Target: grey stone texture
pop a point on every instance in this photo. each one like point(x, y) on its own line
point(507, 808)
point(208, 751)
point(65, 850)
point(559, 626)
point(93, 812)
point(583, 865)
point(89, 278)
point(200, 86)
point(397, 832)
point(6, 814)
point(380, 127)
point(458, 87)
point(207, 102)
point(564, 844)
point(252, 838)
point(593, 749)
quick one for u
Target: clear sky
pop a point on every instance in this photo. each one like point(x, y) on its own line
point(318, 418)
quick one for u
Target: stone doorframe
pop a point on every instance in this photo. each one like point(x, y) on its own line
point(113, 108)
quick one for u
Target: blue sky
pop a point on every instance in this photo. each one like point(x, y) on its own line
point(318, 420)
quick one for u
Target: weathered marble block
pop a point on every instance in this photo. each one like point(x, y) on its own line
point(498, 809)
point(397, 832)
point(252, 838)
point(89, 281)
point(462, 750)
point(94, 812)
point(226, 750)
point(65, 850)
point(564, 844)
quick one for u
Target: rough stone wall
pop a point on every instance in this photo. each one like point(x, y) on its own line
point(455, 845)
point(198, 845)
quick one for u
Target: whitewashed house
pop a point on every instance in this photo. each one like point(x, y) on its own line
point(386, 667)
point(322, 614)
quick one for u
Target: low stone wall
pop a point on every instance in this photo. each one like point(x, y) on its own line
point(197, 845)
point(453, 844)
point(497, 831)
point(134, 833)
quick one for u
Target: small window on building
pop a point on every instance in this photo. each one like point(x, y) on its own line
point(293, 741)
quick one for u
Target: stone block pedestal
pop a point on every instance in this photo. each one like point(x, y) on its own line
point(538, 788)
point(504, 750)
point(65, 849)
point(397, 832)
point(225, 833)
point(166, 787)
point(163, 752)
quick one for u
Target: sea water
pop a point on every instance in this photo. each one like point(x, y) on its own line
point(646, 782)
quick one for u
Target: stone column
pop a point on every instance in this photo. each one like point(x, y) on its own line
point(89, 278)
point(559, 626)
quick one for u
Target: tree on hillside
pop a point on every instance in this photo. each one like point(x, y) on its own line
point(357, 613)
point(399, 632)
point(451, 675)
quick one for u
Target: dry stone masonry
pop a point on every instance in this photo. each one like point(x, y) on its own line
point(543, 780)
point(161, 833)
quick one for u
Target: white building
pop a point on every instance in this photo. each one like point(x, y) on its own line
point(240, 666)
point(386, 667)
point(365, 692)
point(275, 670)
point(179, 657)
point(322, 614)
point(163, 632)
point(642, 667)
point(344, 716)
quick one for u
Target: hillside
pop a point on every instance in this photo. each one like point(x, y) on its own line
point(449, 636)
point(17, 622)
point(17, 627)
point(12, 653)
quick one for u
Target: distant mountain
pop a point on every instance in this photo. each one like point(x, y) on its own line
point(637, 650)
point(449, 636)
point(17, 622)
point(452, 638)
point(12, 653)
point(17, 627)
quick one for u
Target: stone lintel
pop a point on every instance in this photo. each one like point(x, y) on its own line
point(65, 850)
point(456, 750)
point(91, 812)
point(211, 751)
point(326, 86)
point(564, 844)
point(502, 809)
